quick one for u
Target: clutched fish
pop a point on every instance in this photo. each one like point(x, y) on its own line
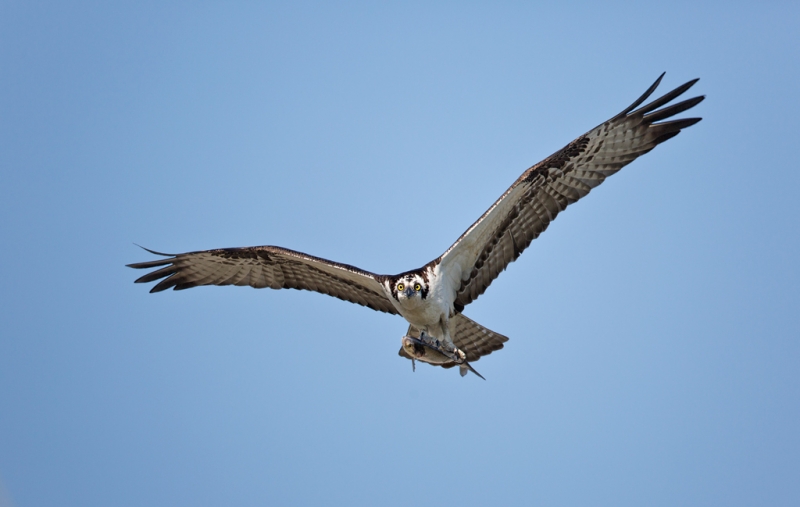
point(431, 351)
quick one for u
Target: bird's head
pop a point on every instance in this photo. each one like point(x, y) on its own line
point(410, 287)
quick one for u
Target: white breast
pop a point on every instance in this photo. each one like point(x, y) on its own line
point(432, 310)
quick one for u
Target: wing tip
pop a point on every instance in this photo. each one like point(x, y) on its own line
point(642, 98)
point(154, 252)
point(669, 96)
point(152, 264)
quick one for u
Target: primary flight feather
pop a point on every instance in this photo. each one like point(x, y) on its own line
point(432, 298)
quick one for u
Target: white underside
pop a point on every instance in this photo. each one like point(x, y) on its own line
point(432, 314)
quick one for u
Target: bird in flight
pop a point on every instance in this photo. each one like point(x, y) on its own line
point(432, 298)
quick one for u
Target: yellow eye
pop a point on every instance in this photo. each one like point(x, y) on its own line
point(417, 287)
point(401, 287)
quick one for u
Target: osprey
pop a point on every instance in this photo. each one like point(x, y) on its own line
point(433, 297)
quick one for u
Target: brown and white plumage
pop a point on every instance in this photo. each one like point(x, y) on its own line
point(469, 336)
point(543, 191)
point(266, 266)
point(432, 298)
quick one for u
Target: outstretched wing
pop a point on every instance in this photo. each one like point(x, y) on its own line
point(266, 266)
point(526, 209)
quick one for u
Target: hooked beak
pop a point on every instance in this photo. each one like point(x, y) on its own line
point(409, 291)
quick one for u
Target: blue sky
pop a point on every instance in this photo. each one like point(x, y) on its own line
point(655, 326)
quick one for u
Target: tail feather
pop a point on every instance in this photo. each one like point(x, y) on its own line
point(473, 339)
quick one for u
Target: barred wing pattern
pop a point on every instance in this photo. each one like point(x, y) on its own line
point(266, 266)
point(475, 340)
point(547, 188)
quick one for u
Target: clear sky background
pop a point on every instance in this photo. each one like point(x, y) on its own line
point(655, 327)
